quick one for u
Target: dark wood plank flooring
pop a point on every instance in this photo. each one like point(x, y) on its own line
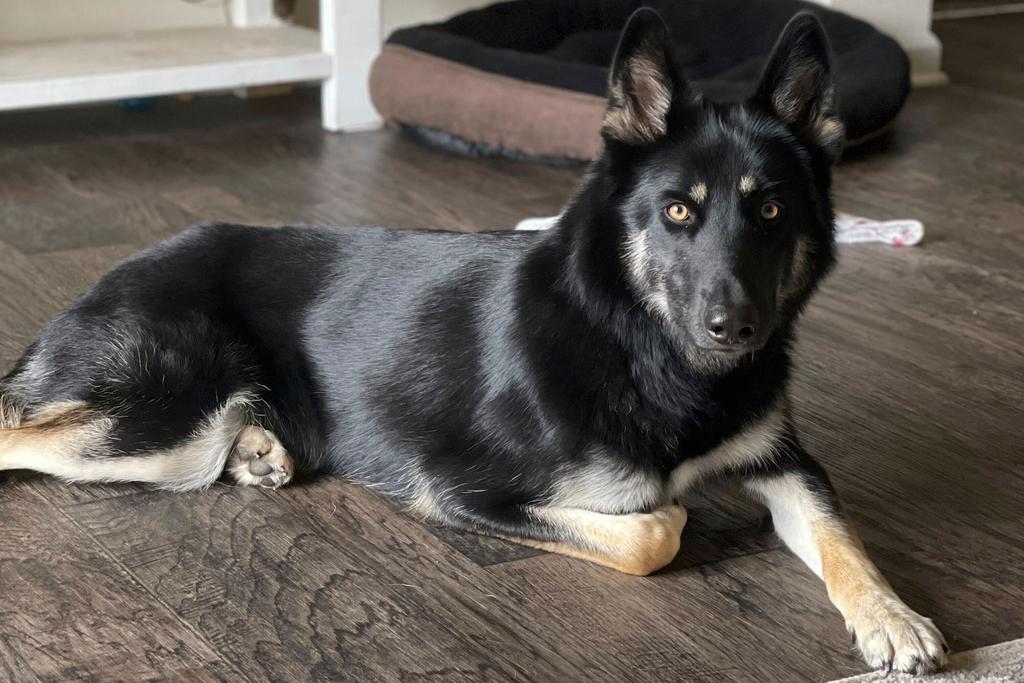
point(909, 387)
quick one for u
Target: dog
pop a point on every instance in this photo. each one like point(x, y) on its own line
point(558, 389)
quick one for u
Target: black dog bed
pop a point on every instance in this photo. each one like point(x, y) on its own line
point(528, 78)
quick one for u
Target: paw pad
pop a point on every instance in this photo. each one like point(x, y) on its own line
point(259, 459)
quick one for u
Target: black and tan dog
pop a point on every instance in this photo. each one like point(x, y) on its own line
point(560, 389)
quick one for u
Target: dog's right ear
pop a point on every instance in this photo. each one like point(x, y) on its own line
point(640, 87)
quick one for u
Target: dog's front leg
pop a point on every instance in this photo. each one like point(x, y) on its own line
point(808, 519)
point(639, 543)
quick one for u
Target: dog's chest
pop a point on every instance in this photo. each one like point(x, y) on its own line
point(609, 484)
point(756, 442)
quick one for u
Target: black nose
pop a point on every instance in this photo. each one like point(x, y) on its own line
point(731, 324)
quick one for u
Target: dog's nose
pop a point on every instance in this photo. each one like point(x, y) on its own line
point(731, 324)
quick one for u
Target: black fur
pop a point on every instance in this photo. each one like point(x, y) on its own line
point(486, 366)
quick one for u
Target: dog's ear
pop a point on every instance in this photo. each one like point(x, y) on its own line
point(641, 82)
point(797, 86)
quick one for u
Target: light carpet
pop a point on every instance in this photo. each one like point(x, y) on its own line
point(1000, 663)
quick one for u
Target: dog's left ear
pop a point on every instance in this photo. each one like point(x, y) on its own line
point(640, 86)
point(797, 86)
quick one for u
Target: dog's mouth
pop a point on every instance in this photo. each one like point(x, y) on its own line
point(729, 353)
point(730, 350)
point(714, 359)
point(705, 345)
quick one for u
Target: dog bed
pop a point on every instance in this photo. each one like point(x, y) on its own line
point(528, 78)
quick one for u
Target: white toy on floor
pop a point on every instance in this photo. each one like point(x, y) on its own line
point(850, 229)
point(904, 232)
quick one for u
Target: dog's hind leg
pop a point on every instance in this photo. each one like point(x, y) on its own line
point(79, 443)
point(259, 459)
point(166, 401)
point(54, 440)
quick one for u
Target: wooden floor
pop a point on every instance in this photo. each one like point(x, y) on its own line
point(909, 388)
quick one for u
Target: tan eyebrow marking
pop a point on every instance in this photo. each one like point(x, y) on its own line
point(699, 192)
point(746, 184)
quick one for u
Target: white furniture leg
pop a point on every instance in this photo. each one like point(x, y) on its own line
point(910, 23)
point(249, 13)
point(350, 33)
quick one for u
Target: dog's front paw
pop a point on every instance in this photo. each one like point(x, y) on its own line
point(890, 636)
point(651, 539)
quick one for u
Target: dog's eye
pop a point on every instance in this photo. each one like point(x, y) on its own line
point(677, 213)
point(770, 211)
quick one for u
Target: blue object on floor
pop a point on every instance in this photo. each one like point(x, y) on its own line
point(137, 103)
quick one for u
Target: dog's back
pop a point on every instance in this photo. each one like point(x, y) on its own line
point(234, 316)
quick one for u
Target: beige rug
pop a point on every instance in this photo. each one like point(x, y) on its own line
point(1000, 663)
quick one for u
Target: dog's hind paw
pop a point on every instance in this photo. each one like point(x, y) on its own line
point(259, 459)
point(894, 637)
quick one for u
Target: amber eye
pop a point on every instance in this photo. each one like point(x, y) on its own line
point(677, 213)
point(770, 211)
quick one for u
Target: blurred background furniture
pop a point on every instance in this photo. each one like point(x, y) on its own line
point(252, 47)
point(528, 79)
point(73, 51)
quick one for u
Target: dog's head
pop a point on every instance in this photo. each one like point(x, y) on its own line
point(725, 222)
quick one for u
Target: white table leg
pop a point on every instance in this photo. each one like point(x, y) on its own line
point(249, 13)
point(350, 33)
